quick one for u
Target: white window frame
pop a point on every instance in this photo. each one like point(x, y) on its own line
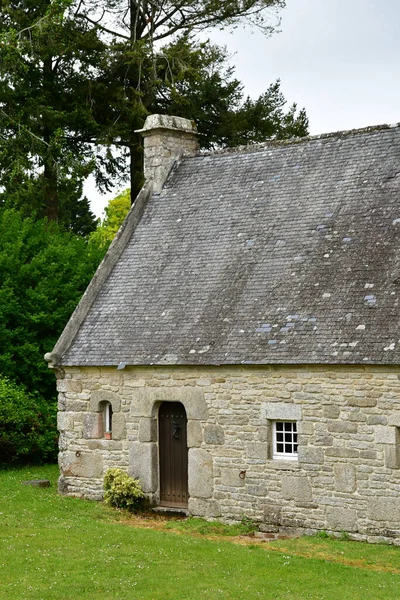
point(283, 455)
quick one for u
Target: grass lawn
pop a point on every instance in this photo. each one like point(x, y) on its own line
point(56, 548)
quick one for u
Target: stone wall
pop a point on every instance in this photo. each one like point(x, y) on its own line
point(347, 476)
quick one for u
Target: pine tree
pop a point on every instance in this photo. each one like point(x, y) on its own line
point(47, 61)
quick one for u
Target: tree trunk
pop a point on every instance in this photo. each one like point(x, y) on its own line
point(136, 167)
point(50, 191)
point(135, 147)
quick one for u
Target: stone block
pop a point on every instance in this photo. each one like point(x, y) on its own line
point(384, 508)
point(61, 385)
point(118, 426)
point(345, 477)
point(272, 514)
point(97, 444)
point(231, 478)
point(62, 402)
point(204, 508)
point(93, 427)
point(342, 427)
point(313, 388)
point(99, 396)
point(144, 400)
point(262, 434)
point(392, 456)
point(147, 430)
point(323, 440)
point(62, 442)
point(259, 489)
point(65, 421)
point(341, 519)
point(87, 464)
point(310, 455)
point(257, 450)
point(143, 465)
point(233, 420)
point(73, 386)
point(296, 488)
point(330, 411)
point(362, 402)
point(281, 411)
point(76, 405)
point(358, 417)
point(214, 435)
point(378, 420)
point(385, 435)
point(341, 452)
point(394, 419)
point(305, 427)
point(200, 473)
point(194, 434)
point(369, 454)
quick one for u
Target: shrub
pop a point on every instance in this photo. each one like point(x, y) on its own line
point(122, 491)
point(28, 426)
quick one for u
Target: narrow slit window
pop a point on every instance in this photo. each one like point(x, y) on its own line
point(285, 440)
point(108, 418)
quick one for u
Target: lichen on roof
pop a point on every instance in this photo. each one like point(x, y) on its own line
point(285, 252)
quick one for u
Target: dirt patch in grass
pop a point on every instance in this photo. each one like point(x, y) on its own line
point(350, 554)
point(330, 555)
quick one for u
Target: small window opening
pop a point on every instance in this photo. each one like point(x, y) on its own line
point(108, 418)
point(285, 440)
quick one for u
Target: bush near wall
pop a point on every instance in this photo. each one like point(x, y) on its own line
point(122, 491)
point(28, 426)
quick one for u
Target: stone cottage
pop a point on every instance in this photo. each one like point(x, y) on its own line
point(238, 348)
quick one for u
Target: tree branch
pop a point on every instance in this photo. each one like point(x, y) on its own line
point(105, 29)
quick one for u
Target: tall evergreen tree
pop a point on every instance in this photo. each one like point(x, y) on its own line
point(43, 273)
point(47, 63)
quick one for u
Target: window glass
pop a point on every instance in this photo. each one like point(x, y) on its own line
point(285, 439)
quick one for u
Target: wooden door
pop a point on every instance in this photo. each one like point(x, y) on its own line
point(173, 454)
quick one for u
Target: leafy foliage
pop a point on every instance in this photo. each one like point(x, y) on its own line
point(195, 83)
point(28, 427)
point(154, 20)
point(43, 273)
point(116, 211)
point(122, 491)
point(76, 82)
point(47, 63)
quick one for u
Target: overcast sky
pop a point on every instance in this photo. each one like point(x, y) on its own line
point(337, 58)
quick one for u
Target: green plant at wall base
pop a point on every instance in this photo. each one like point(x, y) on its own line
point(322, 535)
point(122, 491)
point(248, 525)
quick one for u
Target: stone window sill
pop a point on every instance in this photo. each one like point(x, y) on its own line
point(283, 465)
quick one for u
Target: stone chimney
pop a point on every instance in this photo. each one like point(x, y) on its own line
point(166, 139)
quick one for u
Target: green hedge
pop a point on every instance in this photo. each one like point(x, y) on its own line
point(28, 426)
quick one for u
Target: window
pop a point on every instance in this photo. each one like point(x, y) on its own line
point(285, 440)
point(108, 419)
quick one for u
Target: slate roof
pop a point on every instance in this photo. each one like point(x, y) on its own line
point(279, 253)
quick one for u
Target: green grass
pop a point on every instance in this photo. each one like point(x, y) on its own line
point(57, 548)
point(198, 526)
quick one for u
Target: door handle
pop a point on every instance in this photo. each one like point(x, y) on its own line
point(175, 432)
